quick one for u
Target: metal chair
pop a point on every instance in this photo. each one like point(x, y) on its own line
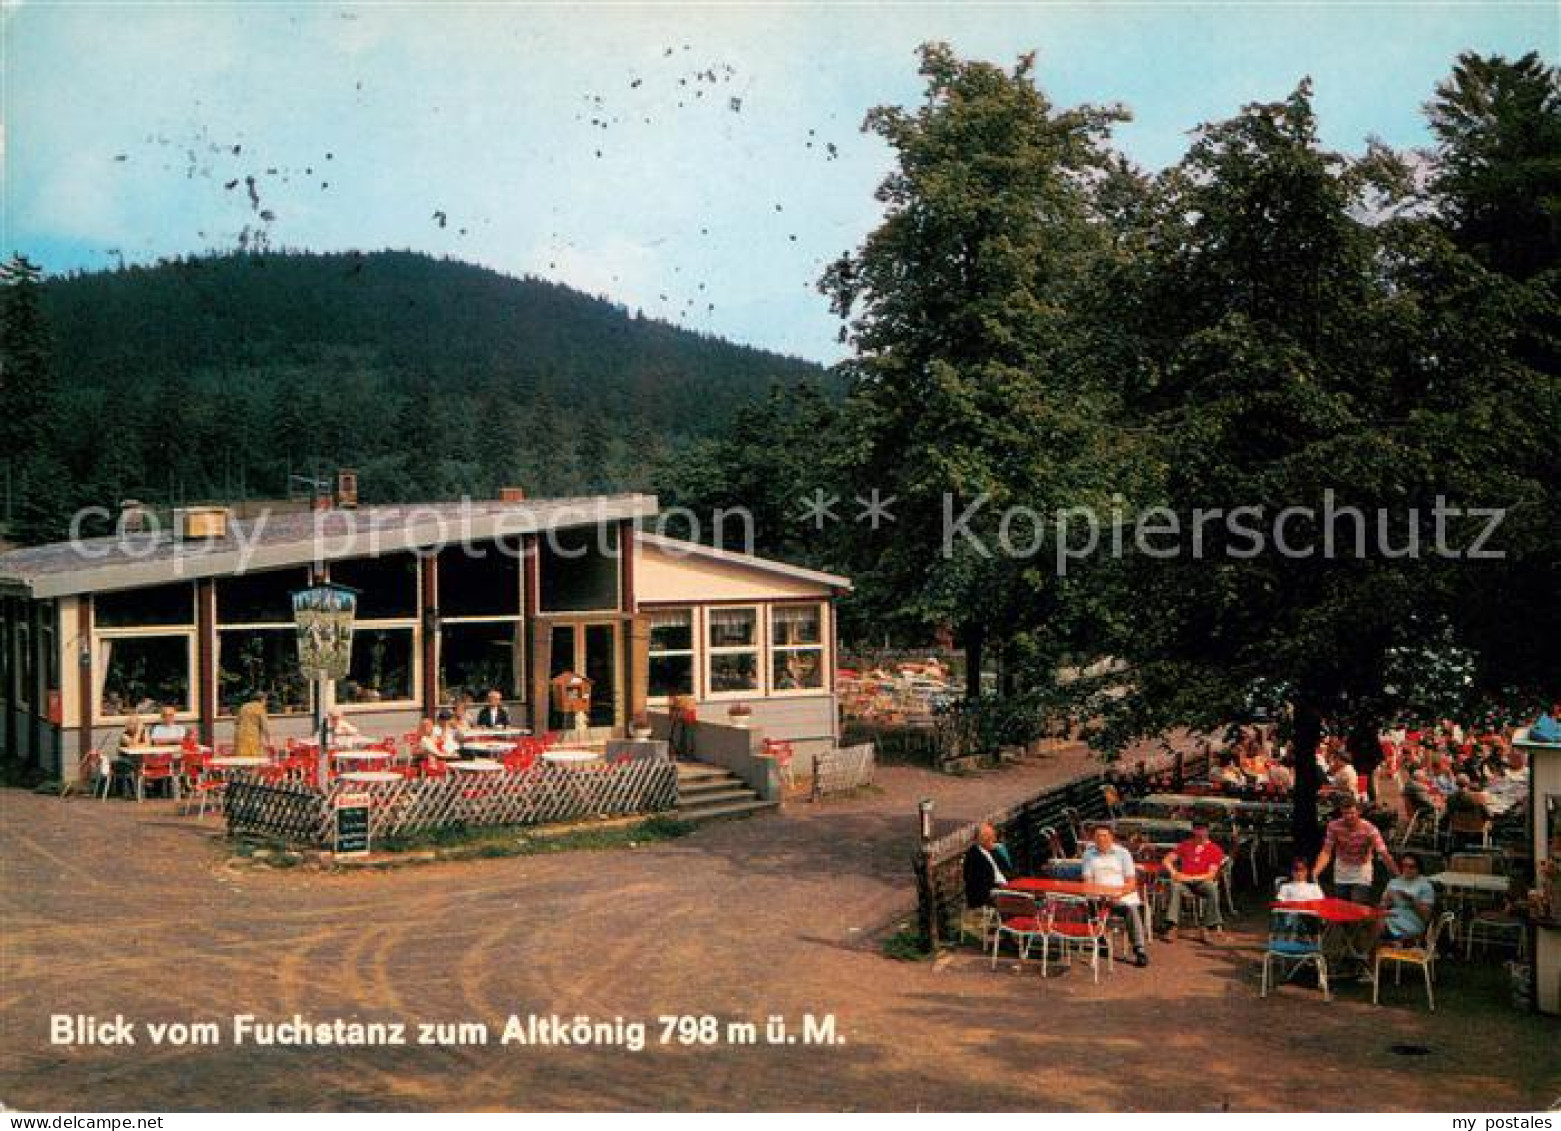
point(1019, 916)
point(1075, 924)
point(1295, 937)
point(1423, 956)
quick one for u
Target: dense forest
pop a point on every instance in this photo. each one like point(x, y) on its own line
point(219, 377)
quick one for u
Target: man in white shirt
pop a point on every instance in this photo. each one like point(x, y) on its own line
point(1108, 864)
point(166, 731)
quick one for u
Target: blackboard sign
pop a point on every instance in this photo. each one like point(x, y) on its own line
point(352, 824)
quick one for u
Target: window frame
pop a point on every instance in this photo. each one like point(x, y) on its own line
point(758, 650)
point(693, 651)
point(524, 645)
point(190, 711)
point(822, 648)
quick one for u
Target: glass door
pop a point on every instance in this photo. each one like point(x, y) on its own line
point(590, 650)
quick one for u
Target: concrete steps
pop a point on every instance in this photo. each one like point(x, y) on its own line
point(708, 793)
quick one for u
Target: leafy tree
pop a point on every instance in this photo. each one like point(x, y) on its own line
point(963, 389)
point(1289, 348)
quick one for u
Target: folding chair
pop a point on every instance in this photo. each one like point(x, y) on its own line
point(1423, 956)
point(1074, 924)
point(1295, 937)
point(1018, 915)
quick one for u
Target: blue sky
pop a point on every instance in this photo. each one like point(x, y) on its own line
point(359, 122)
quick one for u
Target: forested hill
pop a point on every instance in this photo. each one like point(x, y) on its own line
point(220, 376)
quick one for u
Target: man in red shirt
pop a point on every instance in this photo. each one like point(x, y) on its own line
point(1193, 866)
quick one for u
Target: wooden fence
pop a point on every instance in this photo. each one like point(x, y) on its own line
point(546, 793)
point(939, 863)
point(843, 769)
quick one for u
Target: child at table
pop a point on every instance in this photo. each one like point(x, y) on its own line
point(1300, 887)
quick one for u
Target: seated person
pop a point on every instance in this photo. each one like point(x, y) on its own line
point(1228, 773)
point(1443, 776)
point(166, 731)
point(1418, 795)
point(1193, 866)
point(1468, 801)
point(430, 742)
point(1409, 900)
point(1341, 775)
point(1108, 864)
point(983, 870)
point(1280, 776)
point(1300, 887)
point(134, 735)
point(493, 713)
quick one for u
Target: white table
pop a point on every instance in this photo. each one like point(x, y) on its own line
point(478, 766)
point(496, 732)
point(488, 747)
point(362, 755)
point(1471, 881)
point(354, 741)
point(570, 757)
point(370, 777)
point(232, 762)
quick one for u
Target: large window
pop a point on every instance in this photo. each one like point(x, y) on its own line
point(479, 622)
point(579, 570)
point(254, 660)
point(671, 653)
point(140, 608)
point(387, 586)
point(732, 651)
point(264, 598)
point(384, 665)
point(477, 656)
point(139, 674)
point(480, 586)
point(796, 648)
point(257, 643)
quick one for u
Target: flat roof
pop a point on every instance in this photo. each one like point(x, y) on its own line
point(276, 540)
point(679, 547)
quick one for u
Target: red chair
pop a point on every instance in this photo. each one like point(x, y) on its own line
point(157, 768)
point(521, 757)
point(782, 753)
point(201, 782)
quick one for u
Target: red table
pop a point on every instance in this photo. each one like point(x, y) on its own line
point(1343, 919)
point(1036, 885)
point(1332, 910)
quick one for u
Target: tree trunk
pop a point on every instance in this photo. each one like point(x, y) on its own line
point(1308, 779)
point(975, 646)
point(1365, 748)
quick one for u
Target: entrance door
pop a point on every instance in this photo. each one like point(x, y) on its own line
point(590, 650)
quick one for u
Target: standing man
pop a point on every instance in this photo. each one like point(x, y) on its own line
point(493, 713)
point(1353, 842)
point(1193, 867)
point(1110, 865)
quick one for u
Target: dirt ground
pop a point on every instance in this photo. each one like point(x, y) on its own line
point(113, 908)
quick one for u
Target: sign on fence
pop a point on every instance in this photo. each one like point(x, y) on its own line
point(352, 825)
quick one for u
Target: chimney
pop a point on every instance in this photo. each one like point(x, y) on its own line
point(347, 488)
point(198, 523)
point(512, 494)
point(132, 517)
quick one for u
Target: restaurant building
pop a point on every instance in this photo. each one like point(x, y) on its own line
point(454, 598)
